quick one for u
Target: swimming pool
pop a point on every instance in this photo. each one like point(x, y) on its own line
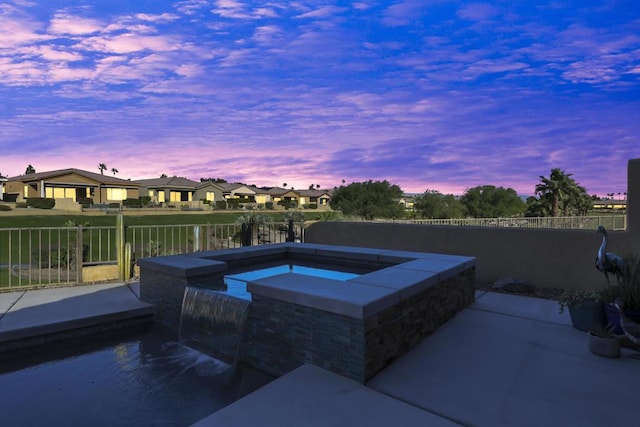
point(146, 378)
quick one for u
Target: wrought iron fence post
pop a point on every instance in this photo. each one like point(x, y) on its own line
point(79, 253)
point(291, 234)
point(245, 234)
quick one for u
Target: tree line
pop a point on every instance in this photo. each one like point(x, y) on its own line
point(556, 195)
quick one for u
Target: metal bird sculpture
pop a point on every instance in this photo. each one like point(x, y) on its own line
point(608, 262)
point(630, 328)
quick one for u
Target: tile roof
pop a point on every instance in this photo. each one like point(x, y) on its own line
point(171, 181)
point(102, 179)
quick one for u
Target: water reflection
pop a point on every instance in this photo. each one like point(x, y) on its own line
point(146, 379)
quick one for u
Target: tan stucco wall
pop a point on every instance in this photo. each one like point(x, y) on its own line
point(543, 257)
point(67, 205)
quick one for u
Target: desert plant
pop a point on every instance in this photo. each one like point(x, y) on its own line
point(5, 208)
point(575, 298)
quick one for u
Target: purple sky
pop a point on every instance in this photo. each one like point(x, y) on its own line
point(427, 94)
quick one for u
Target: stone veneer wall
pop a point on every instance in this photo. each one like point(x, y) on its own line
point(396, 330)
point(280, 336)
point(167, 292)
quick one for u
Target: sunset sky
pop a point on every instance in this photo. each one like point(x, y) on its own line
point(427, 94)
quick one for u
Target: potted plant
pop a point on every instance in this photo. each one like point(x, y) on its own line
point(603, 341)
point(628, 290)
point(585, 308)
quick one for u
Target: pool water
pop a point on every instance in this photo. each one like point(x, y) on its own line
point(237, 283)
point(141, 380)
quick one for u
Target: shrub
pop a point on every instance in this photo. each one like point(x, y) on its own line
point(21, 205)
point(5, 208)
point(233, 203)
point(41, 202)
point(145, 200)
point(86, 202)
point(132, 203)
point(268, 205)
point(221, 204)
point(114, 205)
point(311, 206)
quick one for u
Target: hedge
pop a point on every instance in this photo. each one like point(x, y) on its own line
point(132, 203)
point(41, 202)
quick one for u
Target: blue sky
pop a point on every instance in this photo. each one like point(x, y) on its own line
point(439, 95)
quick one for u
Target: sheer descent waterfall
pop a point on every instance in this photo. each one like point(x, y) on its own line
point(213, 320)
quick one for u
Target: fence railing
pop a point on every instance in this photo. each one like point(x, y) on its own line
point(610, 222)
point(48, 256)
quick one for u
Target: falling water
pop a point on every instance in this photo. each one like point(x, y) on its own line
point(213, 320)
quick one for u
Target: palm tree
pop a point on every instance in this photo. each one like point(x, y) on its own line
point(560, 188)
point(102, 168)
point(114, 170)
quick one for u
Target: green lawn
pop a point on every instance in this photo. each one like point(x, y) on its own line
point(25, 221)
point(25, 239)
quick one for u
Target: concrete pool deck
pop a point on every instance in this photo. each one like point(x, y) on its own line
point(36, 314)
point(505, 360)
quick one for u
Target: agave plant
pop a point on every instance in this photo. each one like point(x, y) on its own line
point(628, 287)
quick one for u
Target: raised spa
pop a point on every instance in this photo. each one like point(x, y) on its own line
point(353, 326)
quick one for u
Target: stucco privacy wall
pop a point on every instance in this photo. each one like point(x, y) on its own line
point(543, 257)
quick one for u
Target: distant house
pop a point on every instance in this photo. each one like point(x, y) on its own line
point(408, 201)
point(71, 185)
point(210, 191)
point(284, 196)
point(319, 198)
point(610, 205)
point(238, 192)
point(173, 189)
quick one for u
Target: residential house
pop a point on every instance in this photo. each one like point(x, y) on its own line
point(210, 191)
point(169, 190)
point(68, 186)
point(262, 195)
point(610, 205)
point(319, 198)
point(284, 195)
point(408, 201)
point(238, 193)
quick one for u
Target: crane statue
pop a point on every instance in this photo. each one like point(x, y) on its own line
point(608, 262)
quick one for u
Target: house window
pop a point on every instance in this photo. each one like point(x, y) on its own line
point(116, 193)
point(25, 191)
point(58, 193)
point(211, 196)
